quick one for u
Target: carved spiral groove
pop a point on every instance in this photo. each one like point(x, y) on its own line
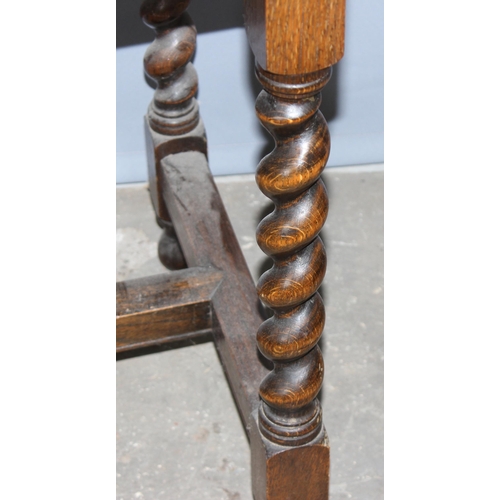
point(289, 176)
point(174, 110)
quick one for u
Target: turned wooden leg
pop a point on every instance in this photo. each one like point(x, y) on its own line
point(290, 414)
point(295, 44)
point(173, 123)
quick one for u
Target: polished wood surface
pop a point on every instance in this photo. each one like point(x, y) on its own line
point(294, 457)
point(289, 176)
point(290, 473)
point(295, 42)
point(164, 308)
point(173, 121)
point(290, 37)
point(173, 111)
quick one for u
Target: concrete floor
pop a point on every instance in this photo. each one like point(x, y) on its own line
point(178, 432)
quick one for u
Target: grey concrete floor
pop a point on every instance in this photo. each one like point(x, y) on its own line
point(179, 435)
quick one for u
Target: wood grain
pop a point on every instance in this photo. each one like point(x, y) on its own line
point(290, 176)
point(207, 239)
point(295, 43)
point(290, 37)
point(279, 471)
point(174, 110)
point(173, 122)
point(164, 308)
point(290, 473)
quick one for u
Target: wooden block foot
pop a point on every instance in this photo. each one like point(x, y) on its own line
point(289, 473)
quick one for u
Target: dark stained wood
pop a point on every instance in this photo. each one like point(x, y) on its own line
point(182, 341)
point(173, 111)
point(279, 471)
point(154, 12)
point(207, 239)
point(291, 37)
point(172, 123)
point(290, 415)
point(295, 43)
point(289, 473)
point(157, 147)
point(164, 308)
point(169, 250)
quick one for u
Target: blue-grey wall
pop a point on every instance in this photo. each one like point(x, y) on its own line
point(352, 100)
